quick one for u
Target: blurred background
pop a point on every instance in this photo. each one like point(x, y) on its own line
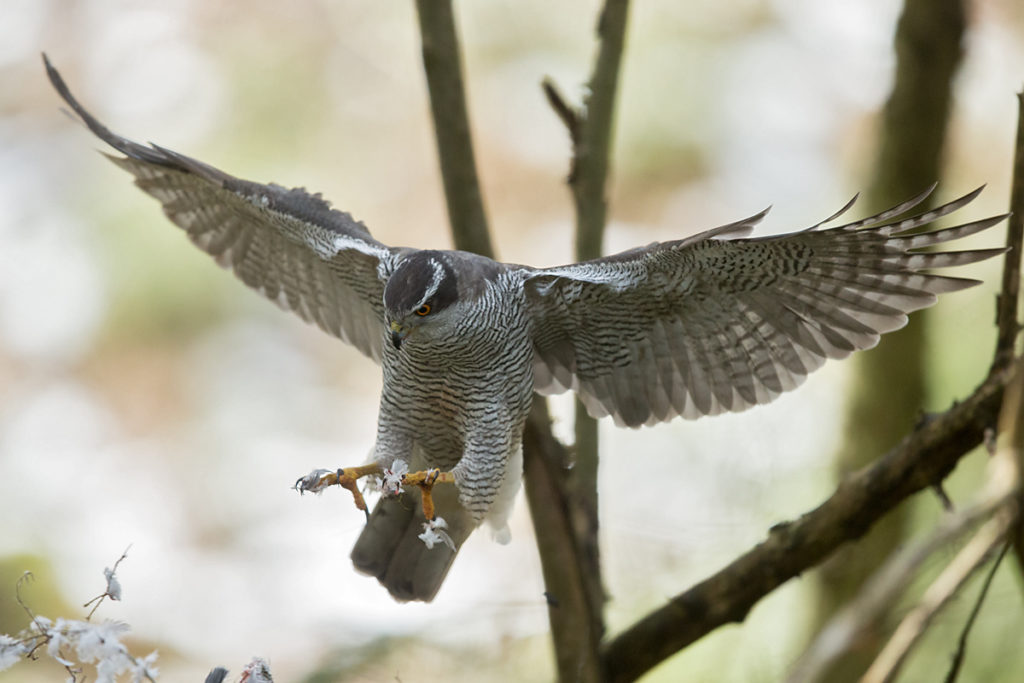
point(147, 398)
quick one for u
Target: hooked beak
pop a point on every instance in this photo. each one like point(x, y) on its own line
point(398, 335)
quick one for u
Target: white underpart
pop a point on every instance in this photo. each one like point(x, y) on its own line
point(501, 509)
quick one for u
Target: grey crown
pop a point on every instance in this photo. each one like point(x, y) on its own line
point(712, 323)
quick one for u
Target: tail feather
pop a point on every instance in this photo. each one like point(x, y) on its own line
point(390, 549)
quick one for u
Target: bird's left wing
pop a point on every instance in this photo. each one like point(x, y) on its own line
point(714, 323)
point(289, 245)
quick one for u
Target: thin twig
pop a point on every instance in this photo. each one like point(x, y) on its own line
point(927, 455)
point(565, 111)
point(880, 592)
point(1004, 481)
point(987, 541)
point(961, 646)
point(107, 593)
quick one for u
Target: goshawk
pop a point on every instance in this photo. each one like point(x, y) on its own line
point(716, 322)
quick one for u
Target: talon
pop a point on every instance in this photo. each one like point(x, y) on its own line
point(426, 480)
point(317, 480)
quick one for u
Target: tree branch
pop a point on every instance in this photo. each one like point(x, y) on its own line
point(889, 383)
point(847, 628)
point(1007, 304)
point(1001, 496)
point(590, 130)
point(575, 634)
point(987, 542)
point(1008, 320)
point(923, 458)
point(961, 646)
point(442, 62)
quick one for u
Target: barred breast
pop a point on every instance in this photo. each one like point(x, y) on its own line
point(460, 402)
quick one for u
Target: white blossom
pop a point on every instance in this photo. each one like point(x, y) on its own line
point(256, 671)
point(145, 668)
point(434, 532)
point(11, 651)
point(58, 640)
point(113, 585)
point(391, 483)
point(97, 642)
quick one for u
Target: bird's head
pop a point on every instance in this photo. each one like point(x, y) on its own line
point(419, 295)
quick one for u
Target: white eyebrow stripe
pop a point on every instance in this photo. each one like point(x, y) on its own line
point(435, 281)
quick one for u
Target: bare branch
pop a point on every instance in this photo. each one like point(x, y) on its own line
point(565, 111)
point(961, 646)
point(924, 457)
point(1001, 495)
point(1007, 305)
point(1008, 461)
point(574, 632)
point(113, 589)
point(883, 588)
point(575, 639)
point(988, 540)
point(442, 62)
point(590, 129)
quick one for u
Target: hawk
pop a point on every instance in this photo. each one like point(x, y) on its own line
point(717, 322)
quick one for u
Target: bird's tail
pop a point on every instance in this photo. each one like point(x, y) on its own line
point(390, 548)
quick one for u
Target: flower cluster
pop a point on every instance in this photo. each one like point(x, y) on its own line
point(391, 482)
point(71, 642)
point(434, 533)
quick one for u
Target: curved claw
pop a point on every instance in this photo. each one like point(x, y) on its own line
point(426, 480)
point(317, 480)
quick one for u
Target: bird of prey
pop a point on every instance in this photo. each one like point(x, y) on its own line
point(712, 323)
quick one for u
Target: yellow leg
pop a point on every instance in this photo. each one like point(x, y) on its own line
point(426, 480)
point(317, 480)
point(349, 477)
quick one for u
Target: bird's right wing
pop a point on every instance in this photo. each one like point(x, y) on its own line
point(289, 245)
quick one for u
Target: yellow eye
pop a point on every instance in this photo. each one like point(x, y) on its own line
point(423, 310)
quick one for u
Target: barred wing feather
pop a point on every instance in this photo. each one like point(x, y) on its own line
point(289, 245)
point(714, 323)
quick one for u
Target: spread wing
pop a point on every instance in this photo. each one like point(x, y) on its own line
point(289, 245)
point(714, 323)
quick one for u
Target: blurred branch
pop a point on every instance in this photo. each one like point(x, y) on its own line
point(590, 130)
point(592, 143)
point(961, 646)
point(1001, 497)
point(442, 63)
point(889, 383)
point(1007, 304)
point(575, 634)
point(923, 458)
point(846, 629)
point(989, 539)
